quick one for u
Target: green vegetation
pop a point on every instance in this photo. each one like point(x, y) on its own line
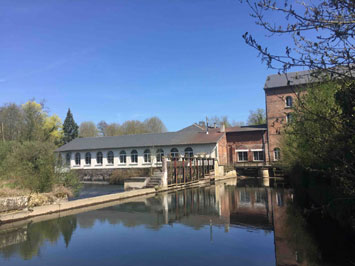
point(70, 128)
point(257, 117)
point(29, 137)
point(318, 138)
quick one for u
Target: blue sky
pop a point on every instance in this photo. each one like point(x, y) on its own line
point(180, 60)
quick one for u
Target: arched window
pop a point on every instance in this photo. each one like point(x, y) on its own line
point(289, 118)
point(67, 158)
point(160, 154)
point(134, 156)
point(147, 157)
point(122, 157)
point(174, 153)
point(189, 153)
point(77, 158)
point(288, 101)
point(99, 157)
point(110, 157)
point(88, 158)
point(277, 154)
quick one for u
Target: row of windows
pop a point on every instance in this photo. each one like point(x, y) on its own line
point(174, 153)
point(258, 155)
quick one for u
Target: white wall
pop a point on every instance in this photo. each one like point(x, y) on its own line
point(208, 149)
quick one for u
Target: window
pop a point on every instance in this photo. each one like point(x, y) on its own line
point(122, 157)
point(67, 158)
point(99, 157)
point(174, 153)
point(88, 158)
point(242, 156)
point(189, 153)
point(110, 157)
point(147, 158)
point(277, 154)
point(258, 155)
point(134, 156)
point(160, 154)
point(77, 158)
point(288, 101)
point(289, 118)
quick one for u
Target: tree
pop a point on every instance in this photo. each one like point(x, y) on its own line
point(113, 129)
point(322, 40)
point(154, 125)
point(11, 122)
point(257, 117)
point(88, 129)
point(101, 126)
point(70, 128)
point(322, 33)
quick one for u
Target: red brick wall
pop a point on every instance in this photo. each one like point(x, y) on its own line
point(222, 151)
point(276, 112)
point(245, 140)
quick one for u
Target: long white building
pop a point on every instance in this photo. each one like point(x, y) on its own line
point(143, 150)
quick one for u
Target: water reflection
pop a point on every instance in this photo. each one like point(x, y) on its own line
point(246, 215)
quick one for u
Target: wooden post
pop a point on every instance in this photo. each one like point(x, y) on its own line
point(203, 167)
point(175, 171)
point(183, 170)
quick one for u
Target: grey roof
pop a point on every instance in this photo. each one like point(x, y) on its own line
point(246, 128)
point(292, 78)
point(186, 137)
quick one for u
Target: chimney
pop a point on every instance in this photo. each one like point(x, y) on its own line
point(215, 125)
point(223, 127)
point(206, 125)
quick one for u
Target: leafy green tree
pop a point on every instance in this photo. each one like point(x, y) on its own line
point(257, 117)
point(70, 128)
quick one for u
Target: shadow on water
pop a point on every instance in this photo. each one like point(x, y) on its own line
point(241, 223)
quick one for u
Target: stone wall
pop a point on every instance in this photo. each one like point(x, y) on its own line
point(13, 203)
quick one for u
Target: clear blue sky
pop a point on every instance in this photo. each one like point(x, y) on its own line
point(115, 60)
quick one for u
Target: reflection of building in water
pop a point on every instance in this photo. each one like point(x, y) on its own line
point(223, 205)
point(219, 205)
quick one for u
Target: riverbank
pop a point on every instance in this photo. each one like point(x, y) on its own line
point(80, 203)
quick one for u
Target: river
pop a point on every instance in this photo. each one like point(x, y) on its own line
point(219, 224)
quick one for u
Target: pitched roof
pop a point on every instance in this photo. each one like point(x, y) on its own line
point(289, 79)
point(185, 137)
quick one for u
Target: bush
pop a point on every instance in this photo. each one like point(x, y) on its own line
point(31, 165)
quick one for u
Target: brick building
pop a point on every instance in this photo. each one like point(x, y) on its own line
point(281, 91)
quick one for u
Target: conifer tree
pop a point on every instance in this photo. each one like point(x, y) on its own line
point(70, 128)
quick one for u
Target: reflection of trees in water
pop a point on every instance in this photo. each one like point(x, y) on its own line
point(38, 233)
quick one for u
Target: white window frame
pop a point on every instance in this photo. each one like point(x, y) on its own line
point(279, 150)
point(258, 150)
point(237, 151)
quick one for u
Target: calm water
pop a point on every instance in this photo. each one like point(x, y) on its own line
point(93, 190)
point(217, 225)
